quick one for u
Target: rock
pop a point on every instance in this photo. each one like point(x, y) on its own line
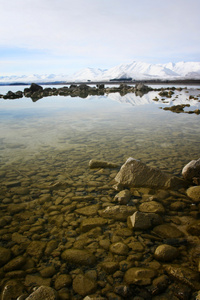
point(136, 174)
point(62, 281)
point(123, 197)
point(90, 210)
point(168, 231)
point(36, 249)
point(34, 280)
point(83, 285)
point(119, 248)
point(44, 293)
point(51, 245)
point(139, 276)
point(20, 190)
point(12, 289)
point(143, 221)
point(152, 207)
point(5, 255)
point(90, 223)
point(117, 212)
point(194, 228)
point(142, 88)
point(48, 272)
point(79, 257)
point(15, 264)
point(185, 275)
point(194, 193)
point(93, 164)
point(166, 253)
point(16, 208)
point(191, 170)
point(110, 266)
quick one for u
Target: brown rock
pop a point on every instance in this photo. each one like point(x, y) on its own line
point(166, 253)
point(191, 170)
point(5, 255)
point(139, 276)
point(83, 285)
point(79, 257)
point(44, 293)
point(194, 193)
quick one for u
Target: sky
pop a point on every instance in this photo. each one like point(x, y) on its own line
point(64, 36)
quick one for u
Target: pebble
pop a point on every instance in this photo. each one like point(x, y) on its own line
point(43, 293)
point(166, 253)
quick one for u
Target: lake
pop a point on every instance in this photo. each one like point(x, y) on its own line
point(46, 184)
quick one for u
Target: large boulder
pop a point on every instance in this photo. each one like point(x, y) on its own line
point(134, 173)
point(191, 171)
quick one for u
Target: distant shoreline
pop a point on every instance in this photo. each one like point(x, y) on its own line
point(112, 82)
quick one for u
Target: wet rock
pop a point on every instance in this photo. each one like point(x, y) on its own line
point(143, 221)
point(20, 190)
point(194, 228)
point(62, 281)
point(93, 164)
point(194, 193)
point(123, 197)
point(13, 183)
point(48, 271)
point(166, 253)
point(90, 210)
point(159, 284)
point(184, 275)
point(90, 223)
point(16, 208)
point(12, 289)
point(167, 231)
point(117, 212)
point(44, 293)
point(83, 285)
point(51, 245)
point(79, 257)
point(119, 248)
point(139, 276)
point(5, 255)
point(35, 280)
point(36, 249)
point(15, 264)
point(152, 207)
point(136, 174)
point(191, 170)
point(110, 267)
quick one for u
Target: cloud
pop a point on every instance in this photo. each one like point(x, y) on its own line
point(108, 31)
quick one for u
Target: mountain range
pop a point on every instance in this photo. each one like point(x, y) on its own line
point(134, 70)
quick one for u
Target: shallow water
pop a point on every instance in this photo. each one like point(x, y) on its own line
point(45, 148)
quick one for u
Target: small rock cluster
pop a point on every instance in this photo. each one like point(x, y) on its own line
point(134, 236)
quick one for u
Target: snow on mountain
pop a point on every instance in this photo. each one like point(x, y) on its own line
point(135, 70)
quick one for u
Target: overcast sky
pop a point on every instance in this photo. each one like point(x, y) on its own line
point(64, 36)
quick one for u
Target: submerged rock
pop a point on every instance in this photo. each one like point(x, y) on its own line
point(44, 293)
point(166, 252)
point(117, 212)
point(143, 221)
point(194, 193)
point(83, 285)
point(93, 164)
point(123, 197)
point(136, 174)
point(192, 170)
point(79, 257)
point(139, 276)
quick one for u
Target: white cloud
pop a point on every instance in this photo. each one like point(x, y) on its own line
point(103, 30)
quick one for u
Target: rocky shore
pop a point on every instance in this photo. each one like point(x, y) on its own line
point(36, 92)
point(117, 233)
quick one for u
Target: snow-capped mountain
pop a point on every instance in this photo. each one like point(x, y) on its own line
point(135, 70)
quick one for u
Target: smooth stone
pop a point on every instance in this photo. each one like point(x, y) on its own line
point(63, 280)
point(12, 289)
point(90, 223)
point(48, 271)
point(194, 228)
point(51, 246)
point(15, 264)
point(43, 293)
point(35, 280)
point(93, 164)
point(143, 221)
point(139, 276)
point(168, 231)
point(5, 255)
point(166, 253)
point(117, 212)
point(191, 170)
point(119, 248)
point(123, 197)
point(90, 210)
point(79, 257)
point(16, 208)
point(152, 207)
point(110, 266)
point(83, 285)
point(20, 190)
point(194, 193)
point(13, 183)
point(134, 173)
point(185, 275)
point(36, 249)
